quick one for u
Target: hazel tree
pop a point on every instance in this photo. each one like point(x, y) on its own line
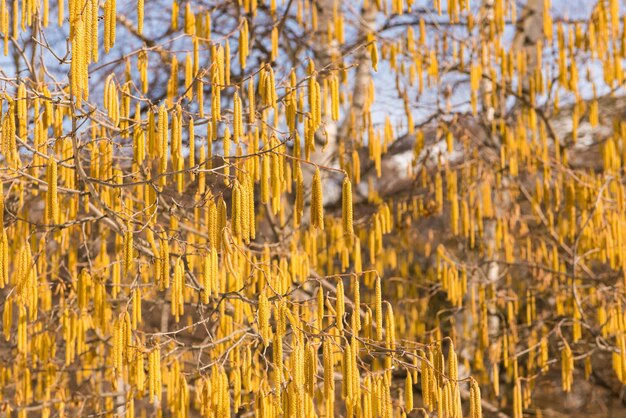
point(311, 207)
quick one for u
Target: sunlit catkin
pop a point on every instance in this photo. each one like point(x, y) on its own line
point(154, 375)
point(177, 296)
point(378, 310)
point(263, 317)
point(110, 19)
point(209, 275)
point(237, 118)
point(346, 206)
point(340, 306)
point(128, 250)
point(140, 13)
point(567, 367)
point(408, 392)
point(317, 206)
point(52, 197)
point(476, 409)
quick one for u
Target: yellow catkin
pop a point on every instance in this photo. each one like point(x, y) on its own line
point(227, 69)
point(356, 314)
point(263, 318)
point(378, 310)
point(174, 16)
point(251, 101)
point(110, 21)
point(226, 146)
point(327, 359)
point(189, 78)
point(373, 49)
point(340, 307)
point(22, 110)
point(142, 64)
point(118, 345)
point(320, 308)
point(52, 197)
point(274, 39)
point(408, 392)
point(453, 372)
point(391, 328)
point(346, 205)
point(7, 318)
point(243, 44)
point(128, 250)
point(190, 20)
point(476, 409)
point(518, 409)
point(208, 273)
point(334, 93)
point(237, 118)
point(22, 331)
point(427, 382)
point(154, 375)
point(317, 205)
point(4, 248)
point(137, 316)
point(567, 367)
point(140, 13)
point(177, 296)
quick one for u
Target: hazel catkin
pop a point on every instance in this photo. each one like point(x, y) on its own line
point(317, 205)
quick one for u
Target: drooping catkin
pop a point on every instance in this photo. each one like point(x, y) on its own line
point(163, 275)
point(209, 275)
point(356, 313)
point(7, 318)
point(328, 363)
point(128, 250)
point(250, 221)
point(476, 408)
point(274, 43)
point(52, 197)
point(236, 215)
point(373, 49)
point(118, 345)
point(227, 69)
point(391, 328)
point(178, 287)
point(137, 316)
point(154, 375)
point(140, 14)
point(263, 317)
point(110, 21)
point(320, 308)
point(243, 44)
point(139, 138)
point(346, 206)
point(226, 146)
point(567, 367)
point(317, 205)
point(22, 110)
point(237, 118)
point(251, 101)
point(378, 310)
point(408, 392)
point(453, 370)
point(22, 331)
point(334, 94)
point(4, 248)
point(340, 306)
point(518, 408)
point(142, 65)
